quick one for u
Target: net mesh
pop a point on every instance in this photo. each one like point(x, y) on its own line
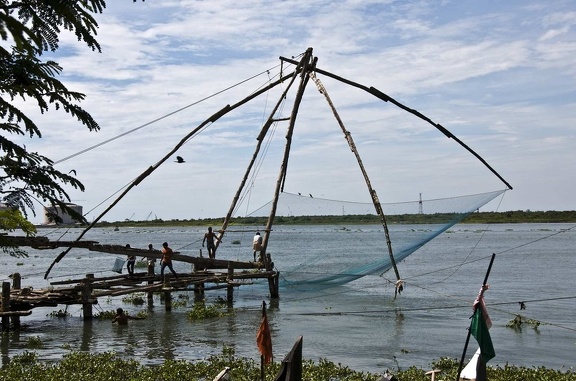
point(410, 224)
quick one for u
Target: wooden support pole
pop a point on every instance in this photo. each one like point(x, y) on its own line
point(5, 305)
point(230, 289)
point(167, 301)
point(199, 292)
point(167, 294)
point(150, 294)
point(273, 282)
point(16, 285)
point(86, 297)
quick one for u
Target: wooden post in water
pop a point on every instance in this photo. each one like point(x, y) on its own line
point(230, 288)
point(5, 305)
point(272, 280)
point(198, 292)
point(16, 285)
point(198, 287)
point(167, 294)
point(150, 294)
point(86, 294)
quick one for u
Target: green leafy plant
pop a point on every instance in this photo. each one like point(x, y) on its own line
point(34, 342)
point(59, 314)
point(519, 321)
point(137, 299)
point(201, 311)
point(109, 366)
point(105, 315)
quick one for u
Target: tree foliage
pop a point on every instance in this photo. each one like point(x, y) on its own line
point(31, 28)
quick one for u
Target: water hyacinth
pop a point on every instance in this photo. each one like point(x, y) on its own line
point(108, 366)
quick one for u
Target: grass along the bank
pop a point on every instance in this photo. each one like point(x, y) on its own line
point(109, 366)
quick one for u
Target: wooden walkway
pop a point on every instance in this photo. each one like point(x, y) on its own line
point(207, 274)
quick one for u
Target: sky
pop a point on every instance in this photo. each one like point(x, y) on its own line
point(499, 75)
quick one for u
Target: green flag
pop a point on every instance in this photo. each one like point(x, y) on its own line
point(479, 330)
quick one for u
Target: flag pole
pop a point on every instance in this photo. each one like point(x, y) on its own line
point(469, 332)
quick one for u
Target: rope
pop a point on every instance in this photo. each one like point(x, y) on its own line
point(162, 117)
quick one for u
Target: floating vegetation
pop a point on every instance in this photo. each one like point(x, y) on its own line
point(105, 315)
point(141, 265)
point(236, 242)
point(109, 315)
point(519, 321)
point(179, 303)
point(34, 342)
point(60, 314)
point(201, 311)
point(142, 314)
point(137, 299)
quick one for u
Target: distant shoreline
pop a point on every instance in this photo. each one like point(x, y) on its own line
point(474, 218)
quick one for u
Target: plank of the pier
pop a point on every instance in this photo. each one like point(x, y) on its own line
point(16, 313)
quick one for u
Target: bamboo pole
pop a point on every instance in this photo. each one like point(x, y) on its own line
point(372, 191)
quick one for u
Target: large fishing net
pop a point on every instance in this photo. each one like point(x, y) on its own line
point(336, 255)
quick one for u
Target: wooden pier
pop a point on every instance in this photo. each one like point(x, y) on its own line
point(207, 274)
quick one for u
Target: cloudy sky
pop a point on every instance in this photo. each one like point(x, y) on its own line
point(500, 75)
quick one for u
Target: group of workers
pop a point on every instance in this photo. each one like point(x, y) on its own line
point(210, 239)
point(165, 261)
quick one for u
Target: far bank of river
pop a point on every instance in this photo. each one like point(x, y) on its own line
point(518, 216)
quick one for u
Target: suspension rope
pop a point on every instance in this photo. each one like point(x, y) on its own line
point(163, 116)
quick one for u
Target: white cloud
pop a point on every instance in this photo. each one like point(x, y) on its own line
point(499, 76)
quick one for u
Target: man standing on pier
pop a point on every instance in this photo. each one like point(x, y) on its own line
point(257, 245)
point(209, 238)
point(166, 260)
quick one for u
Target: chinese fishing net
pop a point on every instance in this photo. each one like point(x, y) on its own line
point(333, 255)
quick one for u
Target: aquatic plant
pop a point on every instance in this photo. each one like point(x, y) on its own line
point(34, 342)
point(519, 321)
point(137, 299)
point(201, 311)
point(59, 314)
point(109, 366)
point(105, 315)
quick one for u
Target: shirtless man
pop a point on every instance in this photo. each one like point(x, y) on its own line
point(209, 238)
point(122, 319)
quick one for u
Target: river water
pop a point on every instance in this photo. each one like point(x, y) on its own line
point(359, 325)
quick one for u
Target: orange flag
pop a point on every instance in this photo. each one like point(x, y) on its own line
point(263, 337)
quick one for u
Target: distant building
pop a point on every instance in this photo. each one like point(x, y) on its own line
point(66, 219)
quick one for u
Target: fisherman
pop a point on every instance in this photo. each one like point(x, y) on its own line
point(166, 260)
point(122, 319)
point(151, 260)
point(209, 238)
point(257, 244)
point(130, 263)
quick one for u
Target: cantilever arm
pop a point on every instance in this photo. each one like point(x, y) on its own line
point(386, 98)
